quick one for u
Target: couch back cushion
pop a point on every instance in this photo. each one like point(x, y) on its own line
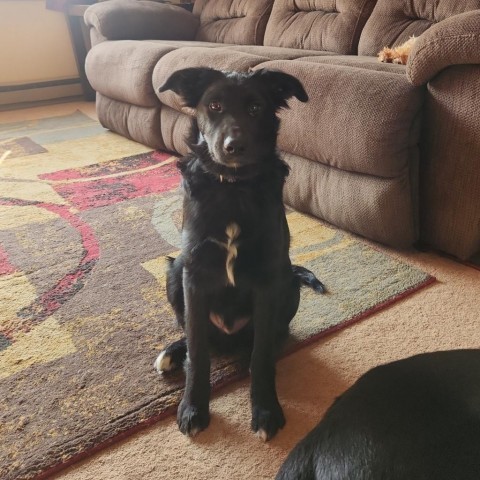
point(331, 25)
point(393, 22)
point(240, 22)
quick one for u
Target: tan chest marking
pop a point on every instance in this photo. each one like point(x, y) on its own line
point(232, 231)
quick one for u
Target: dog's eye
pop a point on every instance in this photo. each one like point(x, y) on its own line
point(215, 106)
point(253, 109)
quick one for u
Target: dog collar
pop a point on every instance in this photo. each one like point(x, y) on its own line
point(227, 179)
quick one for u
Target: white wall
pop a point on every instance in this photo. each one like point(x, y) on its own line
point(35, 44)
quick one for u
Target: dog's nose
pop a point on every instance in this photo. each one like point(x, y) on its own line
point(233, 145)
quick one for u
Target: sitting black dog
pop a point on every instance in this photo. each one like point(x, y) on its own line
point(414, 419)
point(234, 278)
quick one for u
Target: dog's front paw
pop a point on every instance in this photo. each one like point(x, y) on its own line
point(164, 363)
point(192, 419)
point(267, 421)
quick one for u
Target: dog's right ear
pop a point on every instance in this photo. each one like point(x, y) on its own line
point(191, 83)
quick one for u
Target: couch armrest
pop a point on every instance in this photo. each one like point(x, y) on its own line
point(453, 41)
point(140, 20)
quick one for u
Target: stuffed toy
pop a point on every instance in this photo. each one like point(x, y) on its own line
point(398, 54)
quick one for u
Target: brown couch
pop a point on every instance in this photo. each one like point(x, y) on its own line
point(386, 151)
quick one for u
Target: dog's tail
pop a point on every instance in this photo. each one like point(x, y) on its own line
point(308, 278)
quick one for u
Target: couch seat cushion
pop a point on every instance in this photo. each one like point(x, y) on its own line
point(278, 53)
point(219, 58)
point(358, 61)
point(356, 119)
point(122, 69)
point(231, 57)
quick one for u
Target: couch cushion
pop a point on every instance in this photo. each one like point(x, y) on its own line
point(277, 53)
point(382, 209)
point(122, 69)
point(239, 58)
point(358, 61)
point(139, 20)
point(394, 21)
point(332, 25)
point(175, 127)
point(138, 123)
point(356, 119)
point(219, 58)
point(232, 21)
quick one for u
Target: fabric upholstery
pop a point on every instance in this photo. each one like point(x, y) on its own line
point(130, 66)
point(450, 174)
point(357, 61)
point(378, 208)
point(277, 53)
point(331, 25)
point(232, 21)
point(453, 41)
point(354, 148)
point(141, 19)
point(137, 123)
point(220, 58)
point(175, 127)
point(393, 22)
point(344, 131)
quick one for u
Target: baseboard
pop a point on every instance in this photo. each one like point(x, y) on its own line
point(40, 91)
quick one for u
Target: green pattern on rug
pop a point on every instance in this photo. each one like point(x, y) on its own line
point(86, 219)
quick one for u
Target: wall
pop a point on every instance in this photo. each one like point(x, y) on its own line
point(35, 44)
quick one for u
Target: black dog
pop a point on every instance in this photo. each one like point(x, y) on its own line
point(234, 278)
point(414, 419)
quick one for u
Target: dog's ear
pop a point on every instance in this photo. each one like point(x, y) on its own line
point(191, 83)
point(282, 86)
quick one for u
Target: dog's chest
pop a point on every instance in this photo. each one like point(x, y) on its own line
point(230, 244)
point(231, 228)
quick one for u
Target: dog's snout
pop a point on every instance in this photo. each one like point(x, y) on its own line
point(233, 143)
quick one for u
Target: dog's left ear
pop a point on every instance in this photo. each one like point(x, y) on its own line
point(282, 86)
point(191, 83)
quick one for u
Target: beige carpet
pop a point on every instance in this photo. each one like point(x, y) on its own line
point(442, 316)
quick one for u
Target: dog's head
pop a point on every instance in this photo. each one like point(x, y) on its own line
point(236, 112)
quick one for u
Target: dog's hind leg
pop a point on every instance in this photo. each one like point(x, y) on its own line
point(308, 278)
point(175, 288)
point(172, 357)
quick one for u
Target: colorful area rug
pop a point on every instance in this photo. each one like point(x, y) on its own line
point(86, 219)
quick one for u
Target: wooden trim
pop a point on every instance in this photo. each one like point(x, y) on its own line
point(46, 92)
point(31, 86)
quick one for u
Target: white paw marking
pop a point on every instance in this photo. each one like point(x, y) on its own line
point(163, 363)
point(263, 435)
point(194, 432)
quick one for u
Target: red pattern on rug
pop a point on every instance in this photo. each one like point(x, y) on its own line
point(120, 186)
point(6, 268)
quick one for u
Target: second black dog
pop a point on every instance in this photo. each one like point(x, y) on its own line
point(234, 278)
point(413, 419)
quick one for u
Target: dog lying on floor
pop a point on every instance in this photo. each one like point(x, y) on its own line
point(414, 419)
point(233, 280)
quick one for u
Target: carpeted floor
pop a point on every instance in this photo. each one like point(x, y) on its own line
point(444, 316)
point(438, 318)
